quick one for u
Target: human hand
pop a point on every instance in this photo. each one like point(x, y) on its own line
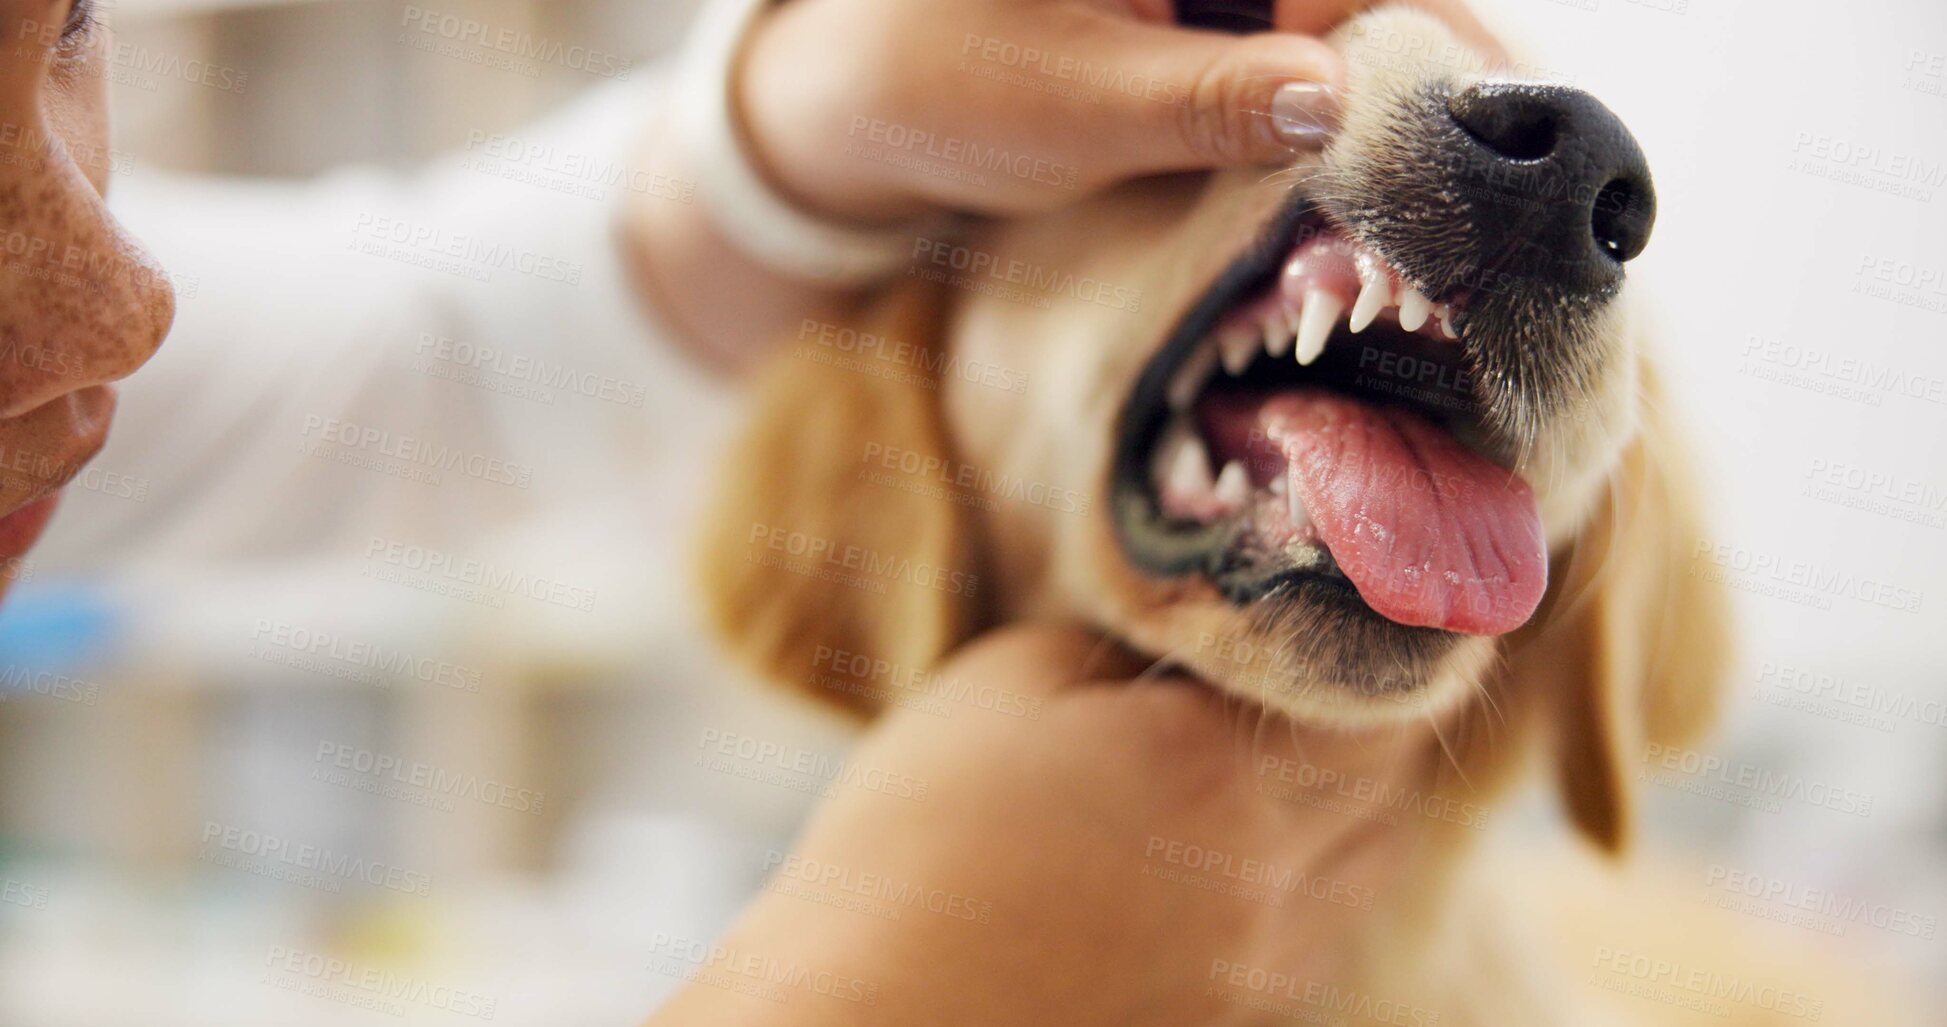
point(1107, 859)
point(874, 110)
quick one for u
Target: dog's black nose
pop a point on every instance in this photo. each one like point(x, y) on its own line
point(1562, 190)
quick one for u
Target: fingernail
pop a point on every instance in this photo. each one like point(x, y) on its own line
point(1305, 114)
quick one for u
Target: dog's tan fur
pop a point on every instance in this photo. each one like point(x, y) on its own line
point(1628, 647)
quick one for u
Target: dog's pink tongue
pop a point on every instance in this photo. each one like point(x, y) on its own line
point(1429, 533)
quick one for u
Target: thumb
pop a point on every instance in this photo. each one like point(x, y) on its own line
point(1200, 99)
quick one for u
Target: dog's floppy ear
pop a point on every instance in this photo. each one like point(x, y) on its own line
point(1634, 646)
point(838, 558)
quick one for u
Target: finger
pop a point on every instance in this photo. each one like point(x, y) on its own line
point(1187, 98)
point(1319, 17)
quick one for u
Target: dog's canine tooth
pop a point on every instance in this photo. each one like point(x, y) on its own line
point(1277, 334)
point(1375, 294)
point(1185, 463)
point(1190, 377)
point(1233, 488)
point(1445, 313)
point(1322, 310)
point(1413, 309)
point(1238, 346)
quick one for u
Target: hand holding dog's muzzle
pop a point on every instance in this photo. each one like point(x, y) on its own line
point(872, 111)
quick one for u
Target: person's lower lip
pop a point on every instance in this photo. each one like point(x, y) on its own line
point(22, 528)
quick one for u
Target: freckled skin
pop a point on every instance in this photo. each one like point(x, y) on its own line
point(81, 304)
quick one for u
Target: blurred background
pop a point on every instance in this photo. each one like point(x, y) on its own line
point(205, 776)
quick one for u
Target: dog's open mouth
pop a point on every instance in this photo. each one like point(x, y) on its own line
point(1312, 422)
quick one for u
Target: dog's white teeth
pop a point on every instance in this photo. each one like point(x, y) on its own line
point(1233, 486)
point(1301, 518)
point(1277, 485)
point(1186, 464)
point(1322, 310)
point(1375, 294)
point(1445, 313)
point(1413, 309)
point(1238, 345)
point(1189, 379)
point(1277, 333)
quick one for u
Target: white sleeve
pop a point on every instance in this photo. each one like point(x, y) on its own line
point(431, 391)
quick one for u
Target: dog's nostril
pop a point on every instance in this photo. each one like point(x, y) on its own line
point(1621, 219)
point(1556, 186)
point(1515, 123)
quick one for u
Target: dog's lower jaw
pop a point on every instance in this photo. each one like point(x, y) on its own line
point(1320, 680)
point(1292, 689)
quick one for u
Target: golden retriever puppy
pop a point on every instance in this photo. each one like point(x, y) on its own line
point(1369, 437)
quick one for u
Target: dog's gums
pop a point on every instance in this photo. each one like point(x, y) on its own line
point(1308, 420)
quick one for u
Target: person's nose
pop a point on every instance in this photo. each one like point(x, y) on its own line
point(1569, 194)
point(81, 304)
